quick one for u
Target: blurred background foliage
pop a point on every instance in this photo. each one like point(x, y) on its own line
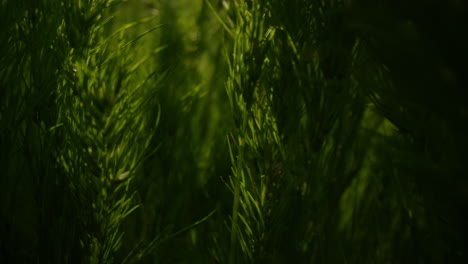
point(233, 131)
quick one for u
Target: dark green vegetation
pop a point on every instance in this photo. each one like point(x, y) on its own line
point(207, 131)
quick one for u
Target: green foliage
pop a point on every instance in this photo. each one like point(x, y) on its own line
point(239, 131)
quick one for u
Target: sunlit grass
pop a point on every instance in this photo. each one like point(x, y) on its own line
point(216, 131)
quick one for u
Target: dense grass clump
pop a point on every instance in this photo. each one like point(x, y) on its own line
point(239, 131)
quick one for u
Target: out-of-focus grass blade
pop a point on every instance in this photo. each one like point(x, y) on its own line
point(158, 240)
point(228, 30)
point(140, 36)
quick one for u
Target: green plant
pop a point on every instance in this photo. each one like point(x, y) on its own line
point(241, 131)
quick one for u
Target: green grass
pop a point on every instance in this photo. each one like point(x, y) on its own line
point(233, 131)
